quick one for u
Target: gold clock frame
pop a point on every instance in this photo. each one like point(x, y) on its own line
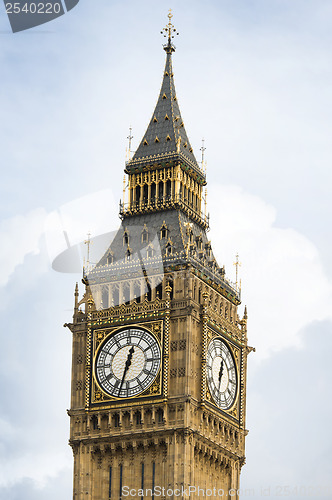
point(234, 409)
point(98, 335)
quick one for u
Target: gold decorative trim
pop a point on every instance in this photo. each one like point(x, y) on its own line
point(98, 336)
point(234, 409)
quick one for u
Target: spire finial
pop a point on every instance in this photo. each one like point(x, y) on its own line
point(237, 264)
point(170, 25)
point(130, 138)
point(88, 242)
point(76, 298)
point(203, 163)
point(169, 32)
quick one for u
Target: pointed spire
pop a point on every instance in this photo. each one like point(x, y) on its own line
point(166, 138)
point(76, 298)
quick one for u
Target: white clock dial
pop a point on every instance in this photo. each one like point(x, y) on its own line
point(221, 373)
point(127, 362)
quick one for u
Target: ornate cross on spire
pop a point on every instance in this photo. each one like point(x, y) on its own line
point(169, 32)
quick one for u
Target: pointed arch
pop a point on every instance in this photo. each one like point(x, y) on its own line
point(169, 247)
point(125, 237)
point(150, 251)
point(110, 258)
point(145, 234)
point(163, 231)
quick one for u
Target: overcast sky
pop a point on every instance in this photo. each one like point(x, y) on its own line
point(254, 78)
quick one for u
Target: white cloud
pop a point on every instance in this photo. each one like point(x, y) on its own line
point(283, 281)
point(38, 467)
point(95, 213)
point(19, 236)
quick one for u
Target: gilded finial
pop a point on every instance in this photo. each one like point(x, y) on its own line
point(124, 190)
point(203, 162)
point(76, 298)
point(169, 32)
point(237, 264)
point(203, 149)
point(170, 25)
point(205, 202)
point(88, 242)
point(130, 138)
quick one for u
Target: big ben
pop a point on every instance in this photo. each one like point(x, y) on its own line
point(159, 354)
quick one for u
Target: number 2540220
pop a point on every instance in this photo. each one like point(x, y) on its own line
point(33, 8)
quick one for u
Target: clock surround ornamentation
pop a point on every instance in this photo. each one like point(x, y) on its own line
point(127, 362)
point(222, 373)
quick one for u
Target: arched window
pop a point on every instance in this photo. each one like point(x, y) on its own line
point(153, 192)
point(94, 422)
point(161, 190)
point(104, 297)
point(116, 419)
point(110, 259)
point(145, 235)
point(168, 188)
point(126, 294)
point(163, 232)
point(150, 252)
point(191, 237)
point(128, 254)
point(169, 249)
point(125, 238)
point(160, 416)
point(116, 296)
point(137, 292)
point(138, 193)
point(145, 193)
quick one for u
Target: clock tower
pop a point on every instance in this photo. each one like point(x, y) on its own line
point(159, 352)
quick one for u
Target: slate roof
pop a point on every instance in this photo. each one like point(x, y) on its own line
point(166, 137)
point(176, 223)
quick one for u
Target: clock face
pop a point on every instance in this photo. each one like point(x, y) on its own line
point(221, 373)
point(127, 363)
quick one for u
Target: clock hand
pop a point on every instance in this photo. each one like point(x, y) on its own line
point(127, 365)
point(220, 373)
